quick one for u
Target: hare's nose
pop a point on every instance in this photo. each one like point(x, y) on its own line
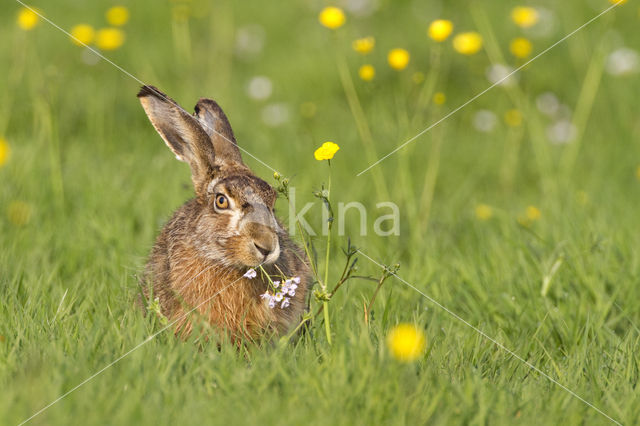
point(264, 251)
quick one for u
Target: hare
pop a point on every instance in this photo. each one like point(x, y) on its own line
point(202, 260)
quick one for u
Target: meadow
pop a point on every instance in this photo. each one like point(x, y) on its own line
point(518, 212)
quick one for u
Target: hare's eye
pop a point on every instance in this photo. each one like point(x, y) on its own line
point(222, 202)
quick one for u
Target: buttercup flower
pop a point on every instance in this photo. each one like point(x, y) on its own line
point(406, 342)
point(483, 212)
point(439, 98)
point(251, 274)
point(520, 47)
point(332, 17)
point(533, 213)
point(5, 152)
point(367, 72)
point(109, 38)
point(326, 151)
point(398, 59)
point(524, 17)
point(82, 34)
point(467, 43)
point(513, 118)
point(27, 19)
point(117, 16)
point(364, 45)
point(440, 29)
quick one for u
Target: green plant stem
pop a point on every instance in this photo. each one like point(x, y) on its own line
point(325, 304)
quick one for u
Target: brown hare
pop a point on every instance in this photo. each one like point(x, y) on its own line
point(205, 255)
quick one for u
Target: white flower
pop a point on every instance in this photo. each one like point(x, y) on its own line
point(285, 303)
point(502, 75)
point(266, 295)
point(251, 273)
point(484, 121)
point(272, 302)
point(276, 114)
point(276, 284)
point(548, 104)
point(291, 290)
point(259, 88)
point(623, 61)
point(296, 280)
point(278, 297)
point(561, 132)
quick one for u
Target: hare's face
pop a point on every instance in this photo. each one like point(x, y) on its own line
point(238, 227)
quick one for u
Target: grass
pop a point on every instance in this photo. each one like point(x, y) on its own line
point(99, 184)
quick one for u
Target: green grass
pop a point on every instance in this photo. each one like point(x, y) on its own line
point(100, 183)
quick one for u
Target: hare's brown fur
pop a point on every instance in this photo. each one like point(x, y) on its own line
point(200, 258)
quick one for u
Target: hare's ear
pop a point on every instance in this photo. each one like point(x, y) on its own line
point(182, 133)
point(215, 123)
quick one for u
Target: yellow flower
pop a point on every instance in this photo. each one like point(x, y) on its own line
point(524, 17)
point(19, 213)
point(117, 16)
point(109, 38)
point(638, 173)
point(439, 98)
point(406, 342)
point(440, 29)
point(617, 1)
point(520, 47)
point(326, 151)
point(533, 213)
point(82, 34)
point(332, 17)
point(27, 18)
point(367, 72)
point(5, 152)
point(513, 118)
point(398, 59)
point(364, 45)
point(483, 212)
point(467, 43)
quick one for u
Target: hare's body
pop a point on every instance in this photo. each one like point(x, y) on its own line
point(198, 264)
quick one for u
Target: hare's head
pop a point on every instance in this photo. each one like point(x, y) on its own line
point(234, 223)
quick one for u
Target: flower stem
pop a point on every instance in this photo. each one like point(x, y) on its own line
point(327, 324)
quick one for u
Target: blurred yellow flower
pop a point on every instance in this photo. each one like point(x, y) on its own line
point(524, 17)
point(638, 172)
point(364, 45)
point(398, 59)
point(513, 118)
point(406, 342)
point(533, 213)
point(417, 77)
point(332, 17)
point(5, 152)
point(440, 29)
point(617, 1)
point(109, 38)
point(520, 47)
point(367, 72)
point(439, 98)
point(467, 43)
point(19, 213)
point(483, 212)
point(326, 151)
point(117, 16)
point(27, 18)
point(82, 34)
